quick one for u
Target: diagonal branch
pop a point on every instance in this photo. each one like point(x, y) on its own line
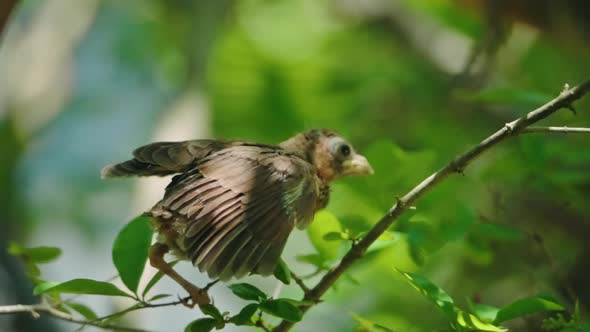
point(457, 165)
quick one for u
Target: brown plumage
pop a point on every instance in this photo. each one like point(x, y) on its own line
point(233, 204)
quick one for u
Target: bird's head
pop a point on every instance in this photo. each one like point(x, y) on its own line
point(332, 156)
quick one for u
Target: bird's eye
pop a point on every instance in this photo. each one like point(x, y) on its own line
point(344, 150)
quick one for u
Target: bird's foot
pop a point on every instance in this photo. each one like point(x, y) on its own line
point(197, 296)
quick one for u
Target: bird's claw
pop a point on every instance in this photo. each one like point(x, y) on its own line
point(197, 296)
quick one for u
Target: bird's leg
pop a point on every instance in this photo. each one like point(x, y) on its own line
point(156, 254)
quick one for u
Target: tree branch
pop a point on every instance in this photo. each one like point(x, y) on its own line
point(35, 309)
point(457, 165)
point(564, 130)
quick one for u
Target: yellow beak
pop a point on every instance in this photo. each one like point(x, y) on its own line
point(358, 165)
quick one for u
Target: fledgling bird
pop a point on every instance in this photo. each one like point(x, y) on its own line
point(233, 204)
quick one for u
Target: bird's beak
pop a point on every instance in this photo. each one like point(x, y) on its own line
point(358, 165)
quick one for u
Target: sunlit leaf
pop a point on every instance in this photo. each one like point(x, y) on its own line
point(525, 307)
point(130, 251)
point(248, 292)
point(81, 286)
point(282, 272)
point(282, 309)
point(441, 299)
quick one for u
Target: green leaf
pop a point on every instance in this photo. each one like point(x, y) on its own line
point(333, 236)
point(526, 306)
point(36, 254)
point(201, 325)
point(245, 315)
point(441, 299)
point(282, 309)
point(211, 310)
point(487, 313)
point(282, 272)
point(324, 223)
point(130, 251)
point(83, 310)
point(298, 303)
point(80, 286)
point(154, 280)
point(248, 292)
point(159, 297)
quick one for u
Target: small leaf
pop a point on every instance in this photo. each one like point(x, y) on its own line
point(83, 310)
point(324, 223)
point(248, 292)
point(282, 272)
point(526, 306)
point(201, 325)
point(333, 236)
point(36, 254)
point(130, 251)
point(159, 297)
point(211, 310)
point(245, 315)
point(81, 286)
point(282, 309)
point(154, 280)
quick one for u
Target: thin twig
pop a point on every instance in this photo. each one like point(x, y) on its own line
point(457, 165)
point(35, 309)
point(300, 283)
point(564, 130)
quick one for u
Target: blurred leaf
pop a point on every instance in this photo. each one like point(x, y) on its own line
point(313, 259)
point(130, 251)
point(282, 309)
point(36, 254)
point(368, 325)
point(298, 302)
point(525, 307)
point(248, 292)
point(81, 286)
point(154, 280)
point(282, 272)
point(201, 325)
point(324, 223)
point(211, 310)
point(83, 310)
point(245, 315)
point(509, 96)
point(497, 232)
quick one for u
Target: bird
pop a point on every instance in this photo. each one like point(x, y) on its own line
point(232, 204)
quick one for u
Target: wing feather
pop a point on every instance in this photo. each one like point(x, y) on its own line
point(239, 205)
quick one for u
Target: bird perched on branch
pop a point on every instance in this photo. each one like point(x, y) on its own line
point(233, 204)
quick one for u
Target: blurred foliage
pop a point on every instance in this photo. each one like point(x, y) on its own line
point(394, 77)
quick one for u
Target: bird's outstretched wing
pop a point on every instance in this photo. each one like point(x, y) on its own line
point(237, 207)
point(164, 158)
